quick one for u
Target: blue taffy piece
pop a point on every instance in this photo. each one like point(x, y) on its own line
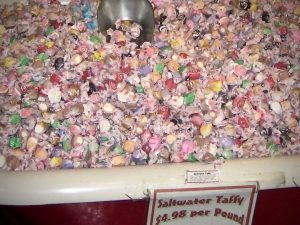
point(91, 25)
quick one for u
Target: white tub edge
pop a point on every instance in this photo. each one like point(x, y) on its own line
point(91, 185)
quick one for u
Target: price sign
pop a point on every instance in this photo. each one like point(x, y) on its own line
point(230, 205)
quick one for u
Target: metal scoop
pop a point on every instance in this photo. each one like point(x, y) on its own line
point(138, 11)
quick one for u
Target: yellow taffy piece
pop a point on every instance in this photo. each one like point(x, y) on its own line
point(297, 10)
point(56, 162)
point(2, 30)
point(173, 66)
point(98, 55)
point(8, 62)
point(216, 86)
point(253, 7)
point(178, 42)
point(49, 44)
point(206, 129)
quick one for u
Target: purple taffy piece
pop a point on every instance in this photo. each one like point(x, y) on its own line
point(160, 44)
point(145, 70)
point(195, 18)
point(226, 142)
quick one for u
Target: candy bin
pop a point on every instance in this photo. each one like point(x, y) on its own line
point(149, 112)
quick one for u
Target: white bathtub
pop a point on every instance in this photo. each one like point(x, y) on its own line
point(91, 185)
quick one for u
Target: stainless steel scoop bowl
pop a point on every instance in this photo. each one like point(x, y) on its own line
point(139, 11)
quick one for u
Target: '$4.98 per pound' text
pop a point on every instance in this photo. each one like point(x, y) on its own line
point(179, 214)
point(165, 217)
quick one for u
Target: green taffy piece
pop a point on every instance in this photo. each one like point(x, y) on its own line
point(25, 104)
point(21, 70)
point(12, 40)
point(189, 98)
point(267, 31)
point(182, 69)
point(272, 147)
point(49, 30)
point(15, 118)
point(15, 142)
point(218, 156)
point(67, 145)
point(56, 124)
point(24, 61)
point(118, 150)
point(192, 157)
point(278, 24)
point(95, 39)
point(245, 84)
point(43, 56)
point(103, 139)
point(159, 68)
point(139, 89)
point(228, 153)
point(167, 47)
point(93, 146)
point(293, 68)
point(239, 61)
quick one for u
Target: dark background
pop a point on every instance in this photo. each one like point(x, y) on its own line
point(274, 207)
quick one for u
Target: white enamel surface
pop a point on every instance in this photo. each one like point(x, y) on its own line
point(91, 185)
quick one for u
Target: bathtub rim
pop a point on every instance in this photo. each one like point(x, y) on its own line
point(134, 182)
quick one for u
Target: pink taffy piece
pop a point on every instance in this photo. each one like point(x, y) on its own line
point(150, 103)
point(26, 112)
point(296, 35)
point(196, 120)
point(76, 153)
point(154, 142)
point(170, 11)
point(240, 70)
point(224, 21)
point(150, 51)
point(178, 157)
point(146, 135)
point(190, 24)
point(92, 129)
point(26, 77)
point(40, 165)
point(119, 51)
point(187, 146)
point(74, 129)
point(95, 98)
point(157, 2)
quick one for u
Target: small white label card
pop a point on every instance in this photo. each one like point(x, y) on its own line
point(202, 176)
point(228, 205)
